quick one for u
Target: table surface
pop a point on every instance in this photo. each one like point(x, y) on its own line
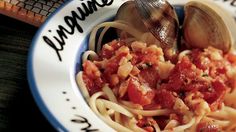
point(18, 110)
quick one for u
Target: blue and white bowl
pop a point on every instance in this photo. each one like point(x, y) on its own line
point(55, 57)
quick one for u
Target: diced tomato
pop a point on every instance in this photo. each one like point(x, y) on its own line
point(165, 98)
point(117, 44)
point(108, 53)
point(207, 127)
point(91, 70)
point(216, 95)
point(221, 70)
point(151, 55)
point(88, 82)
point(197, 85)
point(200, 60)
point(185, 63)
point(175, 83)
point(150, 76)
point(139, 94)
point(187, 70)
point(217, 68)
point(150, 58)
point(92, 77)
point(113, 65)
point(137, 58)
point(182, 74)
point(219, 86)
point(220, 89)
point(231, 57)
point(93, 85)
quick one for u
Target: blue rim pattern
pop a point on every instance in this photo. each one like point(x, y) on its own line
point(31, 79)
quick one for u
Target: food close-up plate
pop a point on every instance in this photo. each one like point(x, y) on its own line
point(56, 60)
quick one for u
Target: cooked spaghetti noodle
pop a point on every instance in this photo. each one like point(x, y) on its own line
point(131, 86)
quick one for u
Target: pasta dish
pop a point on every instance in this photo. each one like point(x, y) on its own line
point(131, 85)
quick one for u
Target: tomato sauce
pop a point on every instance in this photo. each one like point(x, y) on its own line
point(202, 71)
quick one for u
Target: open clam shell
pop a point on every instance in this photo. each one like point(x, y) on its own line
point(161, 20)
point(207, 24)
point(128, 13)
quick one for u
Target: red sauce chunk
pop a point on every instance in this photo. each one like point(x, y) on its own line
point(92, 77)
point(139, 93)
point(149, 76)
point(165, 98)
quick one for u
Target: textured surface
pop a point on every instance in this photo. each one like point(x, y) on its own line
point(42, 7)
point(18, 111)
point(30, 11)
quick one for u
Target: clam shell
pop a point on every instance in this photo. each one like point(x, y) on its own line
point(207, 24)
point(161, 20)
point(128, 13)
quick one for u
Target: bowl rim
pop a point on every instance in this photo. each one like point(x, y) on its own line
point(50, 117)
point(31, 77)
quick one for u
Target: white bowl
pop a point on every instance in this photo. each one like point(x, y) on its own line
point(53, 64)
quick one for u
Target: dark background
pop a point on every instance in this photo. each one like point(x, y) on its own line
point(18, 110)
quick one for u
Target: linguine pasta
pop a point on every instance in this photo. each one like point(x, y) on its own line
point(131, 86)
